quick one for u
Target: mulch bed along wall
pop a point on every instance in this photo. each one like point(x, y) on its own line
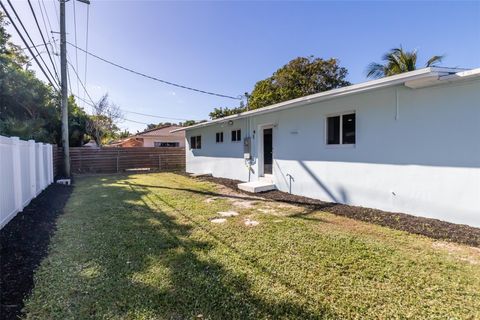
point(24, 243)
point(432, 228)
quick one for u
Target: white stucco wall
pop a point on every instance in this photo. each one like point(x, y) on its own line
point(220, 159)
point(422, 160)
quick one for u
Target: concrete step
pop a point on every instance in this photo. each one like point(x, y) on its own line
point(199, 175)
point(266, 178)
point(257, 186)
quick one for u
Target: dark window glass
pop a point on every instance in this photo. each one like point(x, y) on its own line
point(193, 142)
point(196, 142)
point(219, 137)
point(199, 142)
point(166, 144)
point(333, 130)
point(236, 135)
point(348, 128)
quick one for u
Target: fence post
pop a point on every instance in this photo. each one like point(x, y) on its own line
point(159, 163)
point(50, 163)
point(33, 163)
point(40, 166)
point(17, 173)
point(118, 153)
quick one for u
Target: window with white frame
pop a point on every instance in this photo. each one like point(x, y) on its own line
point(196, 142)
point(219, 137)
point(341, 129)
point(237, 135)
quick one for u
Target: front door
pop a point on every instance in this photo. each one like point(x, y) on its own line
point(267, 151)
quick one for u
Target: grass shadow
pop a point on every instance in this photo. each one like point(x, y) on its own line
point(136, 259)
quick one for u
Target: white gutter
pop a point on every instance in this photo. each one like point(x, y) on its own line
point(425, 74)
point(461, 75)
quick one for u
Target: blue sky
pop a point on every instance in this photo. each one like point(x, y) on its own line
point(226, 46)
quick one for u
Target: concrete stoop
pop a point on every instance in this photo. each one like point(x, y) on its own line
point(257, 186)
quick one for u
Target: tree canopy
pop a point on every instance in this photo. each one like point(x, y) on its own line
point(397, 61)
point(29, 108)
point(158, 125)
point(300, 77)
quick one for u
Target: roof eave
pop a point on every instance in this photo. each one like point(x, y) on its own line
point(425, 73)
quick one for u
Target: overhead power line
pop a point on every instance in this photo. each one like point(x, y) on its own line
point(86, 48)
point(75, 33)
point(54, 49)
point(43, 39)
point(27, 45)
point(135, 121)
point(92, 103)
point(30, 38)
point(78, 79)
point(128, 111)
point(35, 46)
point(154, 116)
point(123, 118)
point(48, 17)
point(154, 78)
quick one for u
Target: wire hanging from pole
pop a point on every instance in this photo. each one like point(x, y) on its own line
point(155, 78)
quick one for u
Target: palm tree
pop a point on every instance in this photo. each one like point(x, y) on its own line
point(398, 61)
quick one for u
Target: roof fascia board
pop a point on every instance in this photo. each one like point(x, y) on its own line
point(425, 73)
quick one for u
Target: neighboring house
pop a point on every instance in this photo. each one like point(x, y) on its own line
point(91, 144)
point(158, 137)
point(406, 143)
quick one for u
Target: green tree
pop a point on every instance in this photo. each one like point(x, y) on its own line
point(188, 123)
point(224, 112)
point(27, 105)
point(124, 134)
point(300, 77)
point(77, 123)
point(29, 108)
point(157, 125)
point(397, 61)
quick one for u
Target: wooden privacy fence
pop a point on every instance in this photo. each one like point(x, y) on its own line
point(112, 160)
point(26, 168)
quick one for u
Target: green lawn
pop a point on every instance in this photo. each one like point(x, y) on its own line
point(143, 247)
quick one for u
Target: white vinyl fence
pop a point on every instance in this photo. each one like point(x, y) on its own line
point(26, 168)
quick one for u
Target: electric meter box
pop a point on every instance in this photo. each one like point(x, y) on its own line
point(247, 146)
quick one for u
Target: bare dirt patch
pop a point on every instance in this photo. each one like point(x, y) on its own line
point(468, 254)
point(218, 220)
point(245, 204)
point(432, 228)
point(251, 223)
point(228, 214)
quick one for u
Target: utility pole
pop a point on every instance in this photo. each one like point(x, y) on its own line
point(64, 88)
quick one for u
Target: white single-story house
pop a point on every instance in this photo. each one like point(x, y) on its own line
point(407, 143)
